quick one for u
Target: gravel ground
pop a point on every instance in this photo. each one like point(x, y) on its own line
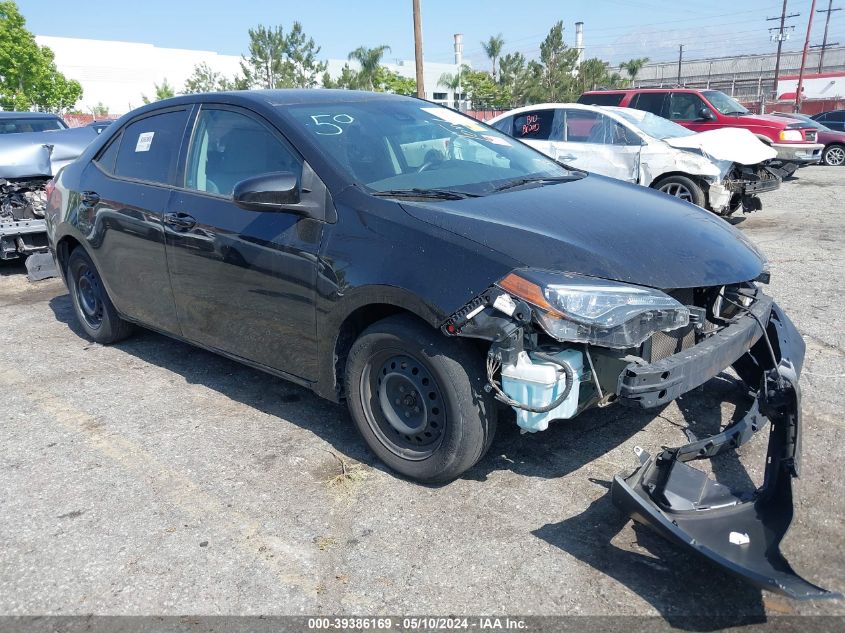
point(155, 478)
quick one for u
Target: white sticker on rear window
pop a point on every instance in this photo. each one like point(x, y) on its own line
point(145, 139)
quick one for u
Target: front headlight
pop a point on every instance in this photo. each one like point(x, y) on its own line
point(791, 135)
point(583, 309)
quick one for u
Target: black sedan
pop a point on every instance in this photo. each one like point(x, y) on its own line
point(428, 270)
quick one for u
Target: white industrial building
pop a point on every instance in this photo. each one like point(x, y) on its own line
point(116, 74)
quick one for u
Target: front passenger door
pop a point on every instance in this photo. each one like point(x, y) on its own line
point(243, 280)
point(596, 143)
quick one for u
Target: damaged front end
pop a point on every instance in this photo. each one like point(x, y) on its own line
point(743, 183)
point(27, 163)
point(563, 343)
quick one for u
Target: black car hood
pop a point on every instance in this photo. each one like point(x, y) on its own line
point(604, 228)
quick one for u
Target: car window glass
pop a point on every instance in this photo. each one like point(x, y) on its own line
point(535, 125)
point(836, 116)
point(405, 144)
point(583, 126)
point(150, 147)
point(14, 126)
point(229, 147)
point(649, 101)
point(107, 156)
point(684, 106)
point(608, 99)
point(504, 125)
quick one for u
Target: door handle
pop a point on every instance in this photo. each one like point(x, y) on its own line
point(89, 198)
point(180, 220)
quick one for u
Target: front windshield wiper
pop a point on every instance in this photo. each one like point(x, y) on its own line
point(540, 180)
point(436, 194)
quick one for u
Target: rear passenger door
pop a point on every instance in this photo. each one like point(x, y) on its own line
point(126, 190)
point(244, 280)
point(654, 102)
point(537, 128)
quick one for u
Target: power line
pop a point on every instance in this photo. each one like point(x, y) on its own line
point(780, 36)
point(824, 43)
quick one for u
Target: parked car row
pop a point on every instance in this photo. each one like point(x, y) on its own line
point(432, 272)
point(796, 142)
point(721, 170)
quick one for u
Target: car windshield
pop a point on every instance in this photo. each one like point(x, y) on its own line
point(418, 147)
point(653, 125)
point(723, 103)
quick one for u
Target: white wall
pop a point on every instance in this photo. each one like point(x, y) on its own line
point(118, 73)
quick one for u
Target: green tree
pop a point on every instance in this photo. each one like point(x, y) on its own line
point(302, 54)
point(453, 82)
point(348, 79)
point(28, 74)
point(493, 48)
point(162, 91)
point(204, 79)
point(558, 66)
point(99, 110)
point(633, 66)
point(390, 81)
point(369, 60)
point(279, 60)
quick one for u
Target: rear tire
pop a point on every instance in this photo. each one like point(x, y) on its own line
point(93, 308)
point(418, 399)
point(683, 188)
point(834, 155)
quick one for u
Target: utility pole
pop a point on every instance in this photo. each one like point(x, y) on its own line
point(680, 59)
point(418, 53)
point(804, 58)
point(824, 44)
point(780, 36)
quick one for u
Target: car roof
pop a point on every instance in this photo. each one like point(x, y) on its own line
point(28, 115)
point(632, 90)
point(293, 96)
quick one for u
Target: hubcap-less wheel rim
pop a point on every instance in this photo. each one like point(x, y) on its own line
point(835, 156)
point(89, 297)
point(403, 404)
point(677, 190)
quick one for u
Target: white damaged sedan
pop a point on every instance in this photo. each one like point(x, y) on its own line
point(721, 170)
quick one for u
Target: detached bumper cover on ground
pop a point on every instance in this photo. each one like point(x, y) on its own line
point(739, 532)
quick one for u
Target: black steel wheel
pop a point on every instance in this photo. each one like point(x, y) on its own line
point(91, 304)
point(403, 404)
point(418, 399)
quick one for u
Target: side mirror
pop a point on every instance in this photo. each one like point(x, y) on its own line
point(267, 192)
point(707, 114)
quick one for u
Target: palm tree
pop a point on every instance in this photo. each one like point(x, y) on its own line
point(370, 61)
point(453, 83)
point(633, 66)
point(493, 47)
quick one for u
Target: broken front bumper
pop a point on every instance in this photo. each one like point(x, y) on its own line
point(739, 532)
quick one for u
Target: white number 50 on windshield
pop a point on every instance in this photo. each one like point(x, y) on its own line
point(330, 127)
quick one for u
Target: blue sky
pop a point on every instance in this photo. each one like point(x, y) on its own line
point(615, 30)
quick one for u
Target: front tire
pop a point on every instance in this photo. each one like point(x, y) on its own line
point(418, 399)
point(683, 188)
point(93, 308)
point(834, 155)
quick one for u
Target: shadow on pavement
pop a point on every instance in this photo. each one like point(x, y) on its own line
point(675, 583)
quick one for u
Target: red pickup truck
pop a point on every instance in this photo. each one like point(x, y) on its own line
point(703, 110)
